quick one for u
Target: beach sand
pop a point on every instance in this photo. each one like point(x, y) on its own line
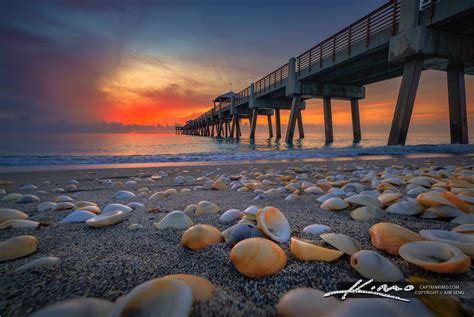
point(109, 262)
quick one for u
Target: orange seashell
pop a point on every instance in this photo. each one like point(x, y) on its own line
point(274, 224)
point(433, 199)
point(307, 251)
point(324, 186)
point(258, 257)
point(200, 236)
point(389, 237)
point(460, 204)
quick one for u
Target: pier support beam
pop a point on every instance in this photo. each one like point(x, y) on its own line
point(277, 123)
point(355, 120)
point(295, 109)
point(253, 123)
point(328, 120)
point(300, 125)
point(270, 128)
point(406, 99)
point(237, 127)
point(457, 104)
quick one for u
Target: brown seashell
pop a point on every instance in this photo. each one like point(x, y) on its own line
point(307, 251)
point(433, 199)
point(389, 237)
point(258, 257)
point(17, 247)
point(200, 236)
point(460, 204)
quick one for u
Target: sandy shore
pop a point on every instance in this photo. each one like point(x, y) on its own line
point(109, 262)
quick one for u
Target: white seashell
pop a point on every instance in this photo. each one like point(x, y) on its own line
point(11, 197)
point(291, 197)
point(316, 229)
point(405, 208)
point(230, 215)
point(363, 200)
point(353, 188)
point(274, 224)
point(134, 226)
point(106, 219)
point(464, 229)
point(47, 262)
point(372, 265)
point(77, 307)
point(342, 242)
point(63, 206)
point(462, 241)
point(326, 197)
point(365, 213)
point(337, 191)
point(135, 205)
point(441, 211)
point(17, 247)
point(46, 206)
point(314, 190)
point(115, 207)
point(10, 214)
point(207, 208)
point(158, 195)
point(190, 209)
point(176, 220)
point(464, 219)
point(334, 204)
point(61, 199)
point(124, 194)
point(78, 216)
point(58, 190)
point(27, 198)
point(29, 187)
point(416, 191)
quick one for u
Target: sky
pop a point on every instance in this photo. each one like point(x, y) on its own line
point(107, 66)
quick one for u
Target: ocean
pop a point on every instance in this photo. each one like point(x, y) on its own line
point(136, 148)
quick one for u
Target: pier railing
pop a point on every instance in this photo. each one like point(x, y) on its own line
point(274, 80)
point(243, 96)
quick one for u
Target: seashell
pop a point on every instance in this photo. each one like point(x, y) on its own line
point(291, 197)
point(78, 216)
point(467, 199)
point(124, 194)
point(239, 232)
point(200, 236)
point(77, 307)
point(380, 307)
point(19, 223)
point(230, 215)
point(416, 191)
point(409, 208)
point(94, 209)
point(307, 251)
point(158, 297)
point(201, 288)
point(394, 181)
point(462, 241)
point(337, 191)
point(258, 257)
point(353, 188)
point(389, 237)
point(274, 224)
point(314, 190)
point(29, 187)
point(48, 261)
point(116, 207)
point(459, 203)
point(11, 214)
point(363, 200)
point(421, 181)
point(464, 229)
point(436, 256)
point(170, 191)
point(11, 197)
point(63, 206)
point(190, 209)
point(46, 206)
point(207, 208)
point(17, 247)
point(106, 219)
point(433, 199)
point(342, 242)
point(179, 180)
point(62, 199)
point(158, 195)
point(316, 229)
point(389, 198)
point(305, 302)
point(135, 205)
point(386, 186)
point(58, 190)
point(134, 226)
point(460, 183)
point(464, 219)
point(219, 185)
point(27, 198)
point(365, 213)
point(176, 220)
point(436, 212)
point(372, 265)
point(334, 204)
point(186, 190)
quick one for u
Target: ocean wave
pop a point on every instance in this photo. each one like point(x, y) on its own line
point(325, 152)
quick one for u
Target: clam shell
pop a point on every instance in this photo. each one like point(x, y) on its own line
point(124, 194)
point(77, 307)
point(365, 213)
point(106, 219)
point(342, 242)
point(190, 209)
point(10, 214)
point(433, 199)
point(239, 232)
point(316, 229)
point(12, 197)
point(46, 206)
point(78, 216)
point(63, 206)
point(48, 261)
point(389, 237)
point(251, 212)
point(200, 236)
point(436, 212)
point(409, 208)
point(219, 185)
point(372, 265)
point(363, 200)
point(462, 241)
point(83, 203)
point(307, 252)
point(27, 198)
point(334, 204)
point(314, 190)
point(17, 247)
point(465, 229)
point(230, 216)
point(19, 223)
point(305, 302)
point(115, 207)
point(201, 288)
point(135, 226)
point(258, 257)
point(389, 198)
point(464, 219)
point(207, 208)
point(436, 256)
point(274, 224)
point(158, 297)
point(459, 203)
point(63, 199)
point(176, 220)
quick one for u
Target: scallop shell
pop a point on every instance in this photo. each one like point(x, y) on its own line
point(106, 219)
point(19, 223)
point(436, 256)
point(274, 224)
point(334, 204)
point(342, 242)
point(158, 297)
point(462, 241)
point(305, 302)
point(176, 220)
point(201, 288)
point(207, 208)
point(372, 265)
point(239, 232)
point(11, 214)
point(366, 213)
point(436, 212)
point(77, 307)
point(389, 237)
point(124, 194)
point(433, 199)
point(258, 257)
point(115, 207)
point(363, 200)
point(200, 236)
point(17, 247)
point(46, 206)
point(307, 252)
point(48, 261)
point(409, 208)
point(464, 229)
point(316, 229)
point(230, 216)
point(78, 216)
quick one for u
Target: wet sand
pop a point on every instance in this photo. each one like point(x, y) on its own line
point(109, 262)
